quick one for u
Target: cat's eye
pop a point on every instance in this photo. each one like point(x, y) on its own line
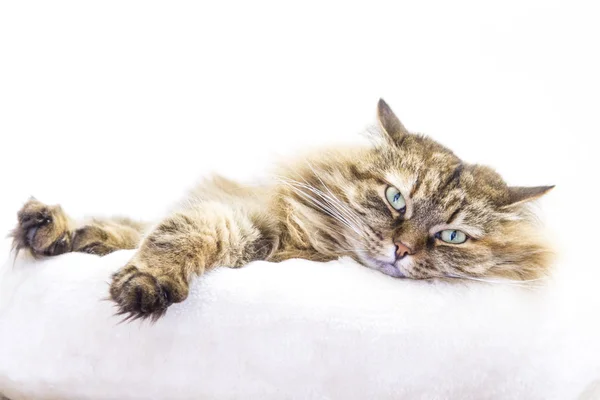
point(452, 236)
point(395, 198)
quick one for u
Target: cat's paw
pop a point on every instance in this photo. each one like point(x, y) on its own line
point(44, 230)
point(145, 292)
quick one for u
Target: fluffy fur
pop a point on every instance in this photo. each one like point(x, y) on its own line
point(320, 207)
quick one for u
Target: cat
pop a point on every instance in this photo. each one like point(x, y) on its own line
point(405, 206)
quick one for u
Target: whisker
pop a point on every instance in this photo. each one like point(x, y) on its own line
point(326, 210)
point(333, 197)
point(510, 282)
point(332, 206)
point(333, 201)
point(340, 214)
point(326, 207)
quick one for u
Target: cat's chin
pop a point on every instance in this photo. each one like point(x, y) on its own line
point(384, 267)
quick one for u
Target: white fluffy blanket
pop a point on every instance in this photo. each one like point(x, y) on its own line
point(295, 330)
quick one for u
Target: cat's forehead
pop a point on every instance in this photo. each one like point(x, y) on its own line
point(422, 166)
point(428, 172)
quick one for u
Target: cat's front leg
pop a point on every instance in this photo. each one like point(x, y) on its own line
point(185, 244)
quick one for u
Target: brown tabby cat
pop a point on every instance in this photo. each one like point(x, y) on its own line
point(407, 207)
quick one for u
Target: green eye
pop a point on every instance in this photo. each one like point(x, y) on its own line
point(396, 199)
point(452, 236)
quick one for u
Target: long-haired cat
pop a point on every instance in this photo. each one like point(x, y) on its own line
point(406, 206)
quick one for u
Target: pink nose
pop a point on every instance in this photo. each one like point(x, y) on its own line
point(402, 250)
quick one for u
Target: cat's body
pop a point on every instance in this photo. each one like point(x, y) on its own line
point(407, 207)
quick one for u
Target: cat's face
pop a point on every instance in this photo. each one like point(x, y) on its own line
point(411, 208)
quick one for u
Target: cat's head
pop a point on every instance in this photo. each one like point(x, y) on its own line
point(411, 208)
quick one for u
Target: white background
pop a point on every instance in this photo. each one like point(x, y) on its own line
point(117, 107)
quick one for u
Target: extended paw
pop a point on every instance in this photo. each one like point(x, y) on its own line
point(93, 240)
point(145, 293)
point(43, 229)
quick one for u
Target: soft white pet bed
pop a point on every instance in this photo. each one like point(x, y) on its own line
point(295, 330)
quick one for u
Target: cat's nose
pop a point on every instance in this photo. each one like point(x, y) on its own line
point(402, 250)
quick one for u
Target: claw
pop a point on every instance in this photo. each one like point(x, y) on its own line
point(140, 295)
point(31, 234)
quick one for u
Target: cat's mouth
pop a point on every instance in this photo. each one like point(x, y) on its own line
point(391, 269)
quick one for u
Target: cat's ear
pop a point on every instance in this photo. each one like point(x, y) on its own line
point(521, 194)
point(388, 121)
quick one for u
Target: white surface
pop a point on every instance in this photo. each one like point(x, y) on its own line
point(294, 330)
